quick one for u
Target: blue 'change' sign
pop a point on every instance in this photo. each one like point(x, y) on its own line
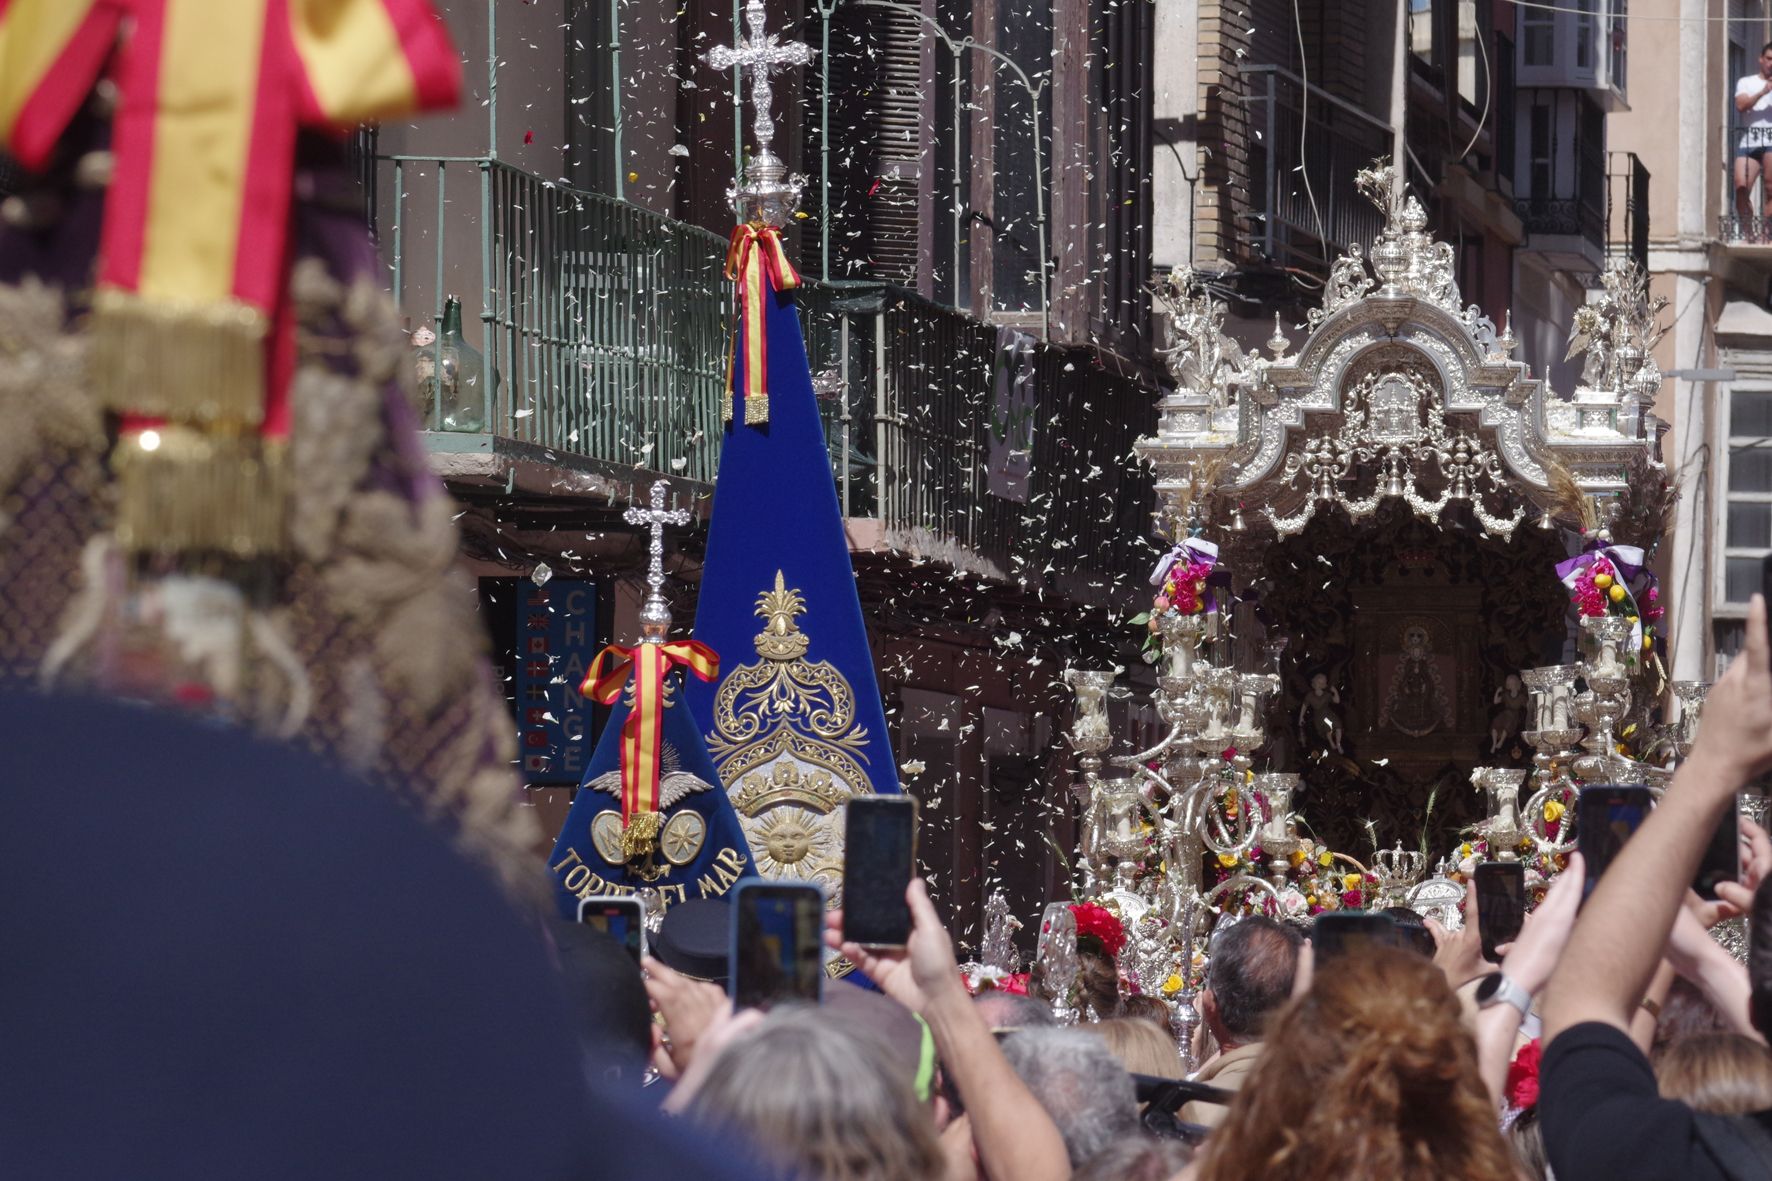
point(556, 634)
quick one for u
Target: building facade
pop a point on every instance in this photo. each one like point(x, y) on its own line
point(975, 245)
point(1714, 265)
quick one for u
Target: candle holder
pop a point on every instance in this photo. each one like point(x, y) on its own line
point(1502, 829)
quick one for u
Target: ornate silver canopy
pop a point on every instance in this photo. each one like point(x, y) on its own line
point(1399, 392)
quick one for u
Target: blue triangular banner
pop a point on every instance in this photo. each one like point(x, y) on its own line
point(701, 850)
point(795, 723)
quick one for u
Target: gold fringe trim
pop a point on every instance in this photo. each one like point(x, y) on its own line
point(756, 410)
point(182, 491)
point(640, 834)
point(191, 362)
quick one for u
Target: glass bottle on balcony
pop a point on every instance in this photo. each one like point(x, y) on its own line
point(450, 370)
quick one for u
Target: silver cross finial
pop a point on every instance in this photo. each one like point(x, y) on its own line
point(768, 195)
point(655, 613)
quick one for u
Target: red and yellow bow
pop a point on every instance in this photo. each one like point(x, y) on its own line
point(759, 263)
point(189, 324)
point(643, 732)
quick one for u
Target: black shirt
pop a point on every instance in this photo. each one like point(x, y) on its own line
point(1604, 1120)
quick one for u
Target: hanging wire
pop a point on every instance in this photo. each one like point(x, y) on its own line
point(1488, 93)
point(1304, 123)
point(1635, 16)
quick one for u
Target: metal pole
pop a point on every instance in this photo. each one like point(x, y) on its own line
point(737, 103)
point(824, 172)
point(488, 349)
point(848, 419)
point(615, 95)
point(1399, 105)
point(1269, 229)
point(882, 498)
point(491, 81)
point(1040, 219)
point(437, 296)
point(959, 219)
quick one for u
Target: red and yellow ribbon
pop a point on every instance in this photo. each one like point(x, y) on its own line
point(188, 321)
point(759, 263)
point(642, 733)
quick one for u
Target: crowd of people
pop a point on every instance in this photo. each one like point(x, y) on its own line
point(358, 1000)
point(1615, 1039)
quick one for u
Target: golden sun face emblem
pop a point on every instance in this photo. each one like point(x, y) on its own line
point(792, 842)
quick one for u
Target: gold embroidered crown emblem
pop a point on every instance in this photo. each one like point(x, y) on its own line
point(781, 637)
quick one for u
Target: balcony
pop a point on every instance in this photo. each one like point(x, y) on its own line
point(1749, 234)
point(607, 324)
point(603, 325)
point(1627, 209)
point(1304, 205)
point(1566, 196)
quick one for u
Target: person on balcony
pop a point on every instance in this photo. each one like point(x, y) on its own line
point(1753, 100)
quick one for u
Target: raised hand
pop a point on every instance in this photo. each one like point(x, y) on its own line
point(911, 975)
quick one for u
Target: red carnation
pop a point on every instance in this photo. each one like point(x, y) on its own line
point(1015, 982)
point(1522, 1076)
point(1101, 923)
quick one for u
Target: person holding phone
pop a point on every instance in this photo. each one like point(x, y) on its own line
point(1753, 101)
point(1601, 1112)
point(1013, 1135)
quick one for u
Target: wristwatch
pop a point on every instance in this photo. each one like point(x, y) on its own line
point(1497, 989)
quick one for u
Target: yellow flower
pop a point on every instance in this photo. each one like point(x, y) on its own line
point(1227, 860)
point(1350, 881)
point(1616, 594)
point(1602, 581)
point(1296, 857)
point(1553, 810)
point(1464, 850)
point(1325, 859)
point(1172, 985)
point(1310, 899)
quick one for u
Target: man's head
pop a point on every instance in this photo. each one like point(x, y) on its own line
point(1759, 958)
point(1766, 58)
point(1013, 1010)
point(1081, 1085)
point(1250, 977)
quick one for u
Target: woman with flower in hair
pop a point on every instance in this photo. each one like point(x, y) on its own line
point(1367, 1074)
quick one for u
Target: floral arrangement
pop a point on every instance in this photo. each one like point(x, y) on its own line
point(1101, 924)
point(1180, 581)
point(1541, 867)
point(983, 978)
point(1601, 581)
point(1317, 878)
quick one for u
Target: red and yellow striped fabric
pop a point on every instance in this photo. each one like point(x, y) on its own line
point(210, 94)
point(641, 734)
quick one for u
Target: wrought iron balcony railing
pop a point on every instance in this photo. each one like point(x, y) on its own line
point(919, 404)
point(1754, 227)
point(1302, 174)
point(603, 323)
point(1627, 208)
point(606, 326)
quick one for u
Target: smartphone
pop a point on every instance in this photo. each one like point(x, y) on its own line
point(1501, 904)
point(880, 854)
point(1350, 932)
point(777, 943)
point(1606, 815)
point(1722, 857)
point(622, 919)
